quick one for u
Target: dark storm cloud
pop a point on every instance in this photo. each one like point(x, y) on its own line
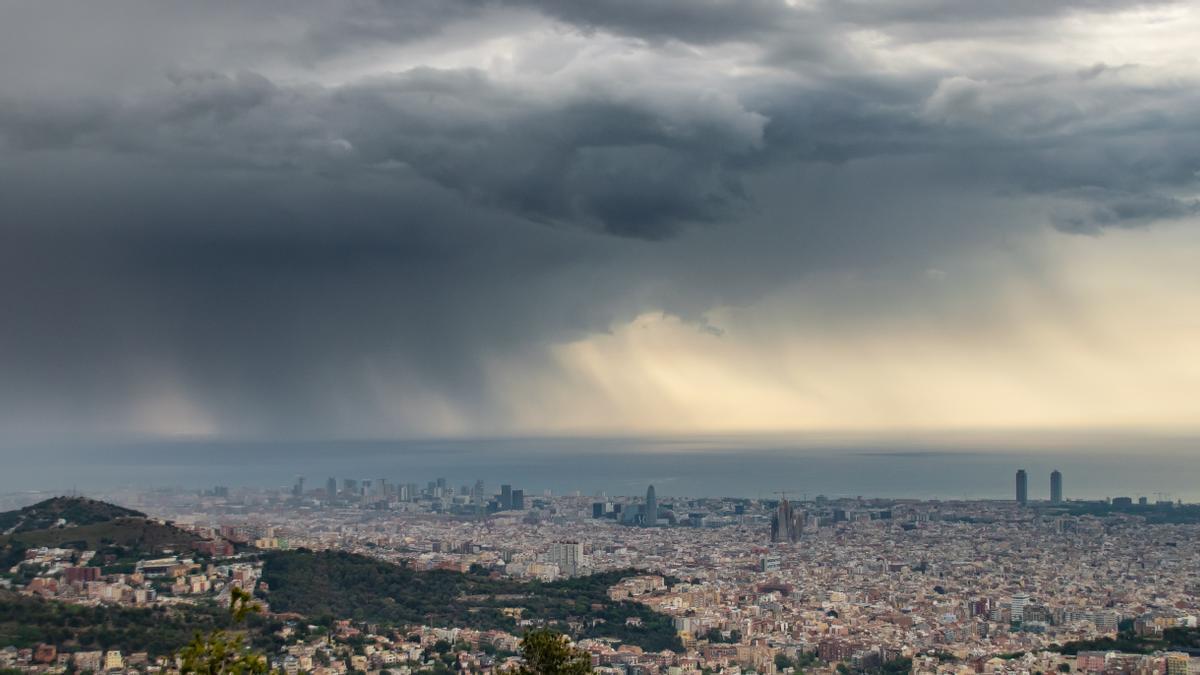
point(1100, 208)
point(268, 300)
point(697, 21)
point(632, 168)
point(293, 247)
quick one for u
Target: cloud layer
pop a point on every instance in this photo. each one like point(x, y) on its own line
point(411, 218)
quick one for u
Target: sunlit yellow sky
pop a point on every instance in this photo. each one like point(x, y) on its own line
point(1106, 334)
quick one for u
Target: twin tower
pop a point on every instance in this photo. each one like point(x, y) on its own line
point(1056, 492)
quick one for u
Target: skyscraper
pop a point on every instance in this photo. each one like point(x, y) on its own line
point(568, 555)
point(787, 523)
point(1056, 496)
point(298, 488)
point(505, 497)
point(1019, 602)
point(331, 488)
point(651, 512)
point(1022, 487)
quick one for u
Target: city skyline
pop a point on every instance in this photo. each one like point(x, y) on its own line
point(786, 521)
point(977, 580)
point(730, 467)
point(600, 337)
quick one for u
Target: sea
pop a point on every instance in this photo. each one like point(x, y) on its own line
point(1095, 465)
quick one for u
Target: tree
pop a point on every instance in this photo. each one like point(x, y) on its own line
point(220, 653)
point(549, 653)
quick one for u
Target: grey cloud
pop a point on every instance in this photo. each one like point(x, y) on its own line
point(294, 254)
point(1097, 208)
point(631, 168)
point(696, 21)
point(954, 16)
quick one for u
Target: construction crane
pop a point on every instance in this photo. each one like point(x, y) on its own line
point(784, 493)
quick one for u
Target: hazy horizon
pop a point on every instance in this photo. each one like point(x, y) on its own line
point(935, 467)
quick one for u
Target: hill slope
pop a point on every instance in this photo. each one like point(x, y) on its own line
point(139, 535)
point(26, 622)
point(346, 585)
point(62, 512)
point(87, 524)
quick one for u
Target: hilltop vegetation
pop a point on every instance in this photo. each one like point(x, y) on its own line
point(86, 524)
point(61, 512)
point(346, 585)
point(1187, 639)
point(25, 622)
point(134, 534)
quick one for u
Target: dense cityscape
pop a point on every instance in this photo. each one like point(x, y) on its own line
point(599, 337)
point(747, 585)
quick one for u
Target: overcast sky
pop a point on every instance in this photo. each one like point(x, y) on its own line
point(472, 217)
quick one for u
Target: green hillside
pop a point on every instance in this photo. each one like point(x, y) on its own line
point(26, 622)
point(121, 534)
point(62, 512)
point(346, 585)
point(137, 534)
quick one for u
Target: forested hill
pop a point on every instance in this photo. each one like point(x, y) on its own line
point(26, 622)
point(120, 534)
point(346, 585)
point(62, 512)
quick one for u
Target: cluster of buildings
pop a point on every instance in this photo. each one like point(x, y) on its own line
point(437, 495)
point(66, 575)
point(954, 586)
point(1056, 487)
point(46, 658)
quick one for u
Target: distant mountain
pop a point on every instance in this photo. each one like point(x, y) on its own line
point(60, 512)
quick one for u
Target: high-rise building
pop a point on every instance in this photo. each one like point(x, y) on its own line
point(568, 555)
point(787, 523)
point(651, 513)
point(505, 497)
point(331, 487)
point(298, 488)
point(349, 486)
point(1056, 496)
point(518, 500)
point(598, 509)
point(1022, 487)
point(1019, 602)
